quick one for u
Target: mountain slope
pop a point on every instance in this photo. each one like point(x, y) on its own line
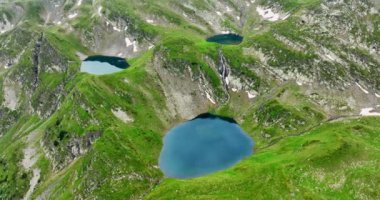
point(303, 66)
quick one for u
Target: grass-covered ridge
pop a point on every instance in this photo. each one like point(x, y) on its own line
point(336, 160)
point(84, 150)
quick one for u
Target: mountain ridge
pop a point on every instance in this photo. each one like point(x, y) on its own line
point(302, 63)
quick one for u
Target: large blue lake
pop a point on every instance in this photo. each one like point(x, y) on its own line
point(202, 146)
point(100, 65)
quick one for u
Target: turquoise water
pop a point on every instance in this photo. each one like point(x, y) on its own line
point(226, 39)
point(202, 146)
point(100, 65)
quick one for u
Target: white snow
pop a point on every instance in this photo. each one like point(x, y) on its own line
point(299, 83)
point(234, 90)
point(116, 29)
point(377, 95)
point(368, 112)
point(72, 15)
point(79, 2)
point(269, 15)
point(364, 90)
point(250, 95)
point(237, 17)
point(218, 13)
point(151, 46)
point(285, 17)
point(100, 10)
point(228, 9)
point(209, 98)
point(150, 21)
point(128, 42)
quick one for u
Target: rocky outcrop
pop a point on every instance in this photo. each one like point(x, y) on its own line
point(62, 148)
point(36, 61)
point(224, 69)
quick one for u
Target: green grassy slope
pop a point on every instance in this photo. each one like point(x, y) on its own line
point(298, 154)
point(334, 161)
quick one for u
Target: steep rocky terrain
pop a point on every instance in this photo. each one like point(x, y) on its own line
point(302, 84)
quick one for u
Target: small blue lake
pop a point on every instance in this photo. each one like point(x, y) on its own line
point(100, 65)
point(229, 38)
point(202, 146)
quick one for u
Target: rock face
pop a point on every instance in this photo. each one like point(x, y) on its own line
point(66, 148)
point(186, 92)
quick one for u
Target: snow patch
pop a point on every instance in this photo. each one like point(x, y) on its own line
point(150, 21)
point(128, 42)
point(71, 16)
point(234, 90)
point(364, 90)
point(251, 95)
point(116, 29)
point(377, 95)
point(218, 13)
point(79, 2)
point(100, 10)
point(368, 112)
point(209, 98)
point(269, 15)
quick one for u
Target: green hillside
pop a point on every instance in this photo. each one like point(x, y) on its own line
point(297, 85)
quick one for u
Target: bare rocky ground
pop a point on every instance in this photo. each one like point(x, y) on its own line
point(31, 156)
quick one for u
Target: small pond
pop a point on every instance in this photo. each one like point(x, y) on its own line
point(204, 145)
point(229, 38)
point(100, 65)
